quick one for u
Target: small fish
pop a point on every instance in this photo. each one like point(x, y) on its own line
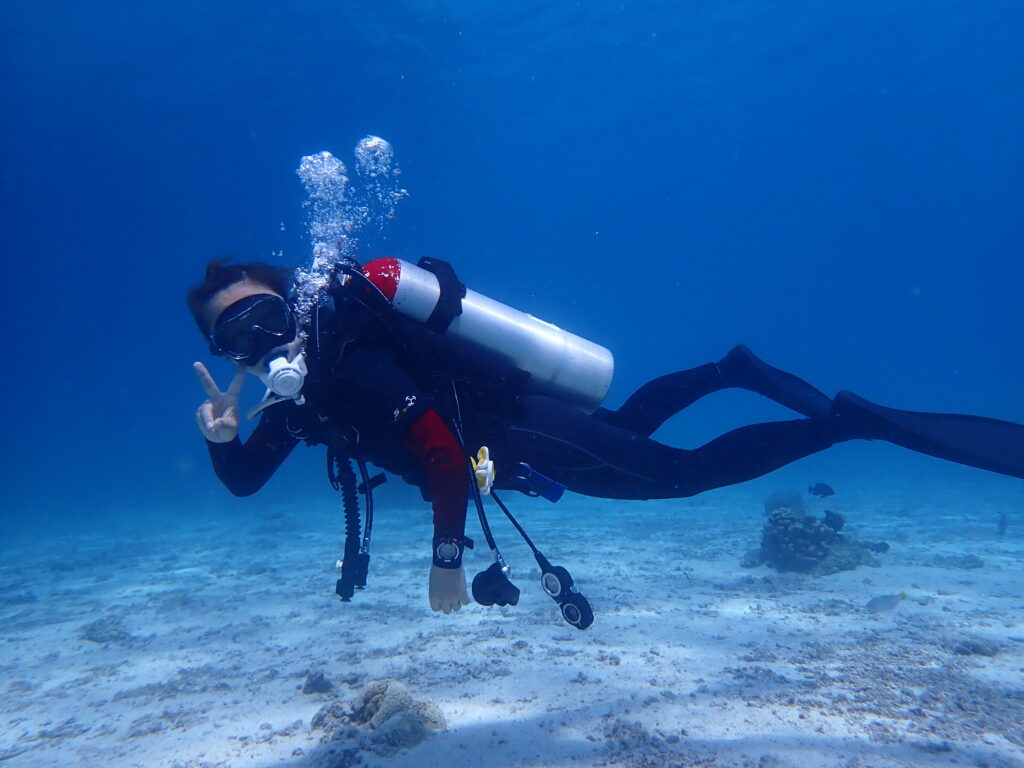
point(884, 602)
point(1004, 523)
point(821, 489)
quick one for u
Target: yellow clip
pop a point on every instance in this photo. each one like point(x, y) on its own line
point(483, 469)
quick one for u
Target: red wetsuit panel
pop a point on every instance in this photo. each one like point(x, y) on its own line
point(433, 443)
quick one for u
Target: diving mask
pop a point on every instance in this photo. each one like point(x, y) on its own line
point(252, 327)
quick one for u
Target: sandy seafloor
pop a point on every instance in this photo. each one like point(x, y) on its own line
point(692, 659)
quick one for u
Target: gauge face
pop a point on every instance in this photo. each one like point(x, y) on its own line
point(551, 584)
point(447, 551)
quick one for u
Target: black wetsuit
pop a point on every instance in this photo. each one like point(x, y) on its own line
point(362, 401)
point(373, 385)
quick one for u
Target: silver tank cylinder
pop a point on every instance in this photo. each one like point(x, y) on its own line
point(561, 364)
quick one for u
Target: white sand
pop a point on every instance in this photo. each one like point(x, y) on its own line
point(692, 660)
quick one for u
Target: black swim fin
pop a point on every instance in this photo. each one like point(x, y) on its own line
point(976, 441)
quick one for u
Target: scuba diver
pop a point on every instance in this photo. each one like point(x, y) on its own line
point(401, 366)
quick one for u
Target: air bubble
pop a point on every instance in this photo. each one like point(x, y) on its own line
point(338, 209)
point(374, 156)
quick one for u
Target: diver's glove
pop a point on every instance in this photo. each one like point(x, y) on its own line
point(447, 589)
point(218, 415)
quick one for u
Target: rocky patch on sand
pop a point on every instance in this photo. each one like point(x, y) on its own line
point(384, 719)
point(107, 630)
point(793, 540)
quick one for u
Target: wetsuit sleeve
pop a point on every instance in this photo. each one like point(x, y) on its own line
point(432, 442)
point(244, 468)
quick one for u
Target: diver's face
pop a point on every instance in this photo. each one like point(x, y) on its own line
point(243, 289)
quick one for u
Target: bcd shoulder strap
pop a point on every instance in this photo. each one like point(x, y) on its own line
point(449, 305)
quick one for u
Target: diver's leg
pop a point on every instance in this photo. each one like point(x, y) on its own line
point(743, 369)
point(594, 458)
point(755, 450)
point(658, 400)
point(976, 441)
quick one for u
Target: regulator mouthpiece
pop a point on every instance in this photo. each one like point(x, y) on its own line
point(285, 377)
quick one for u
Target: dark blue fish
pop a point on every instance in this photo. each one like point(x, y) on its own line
point(821, 489)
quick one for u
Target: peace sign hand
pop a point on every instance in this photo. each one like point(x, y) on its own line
point(218, 415)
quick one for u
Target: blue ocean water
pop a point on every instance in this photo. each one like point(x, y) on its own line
point(838, 187)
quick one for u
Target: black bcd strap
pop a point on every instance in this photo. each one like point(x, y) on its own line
point(449, 305)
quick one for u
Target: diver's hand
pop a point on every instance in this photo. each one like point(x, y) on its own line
point(447, 589)
point(218, 415)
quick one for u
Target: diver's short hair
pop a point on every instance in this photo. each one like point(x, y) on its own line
point(220, 274)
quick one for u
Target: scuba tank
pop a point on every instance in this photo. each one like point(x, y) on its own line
point(560, 364)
